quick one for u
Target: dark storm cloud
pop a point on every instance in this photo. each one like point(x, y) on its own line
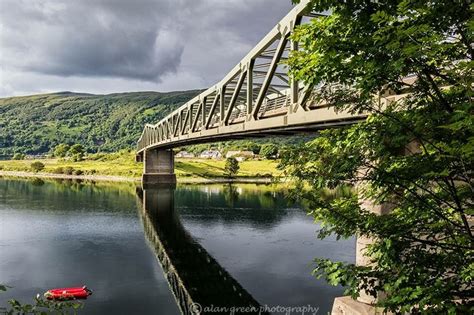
point(139, 40)
point(90, 38)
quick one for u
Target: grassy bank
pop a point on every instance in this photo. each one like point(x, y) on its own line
point(124, 165)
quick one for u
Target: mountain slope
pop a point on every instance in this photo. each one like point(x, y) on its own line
point(35, 124)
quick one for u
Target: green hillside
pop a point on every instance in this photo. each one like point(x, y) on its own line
point(35, 124)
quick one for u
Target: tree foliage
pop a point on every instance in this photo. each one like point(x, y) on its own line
point(18, 156)
point(61, 150)
point(231, 167)
point(415, 153)
point(76, 149)
point(269, 151)
point(41, 306)
point(76, 152)
point(37, 124)
point(37, 166)
point(40, 124)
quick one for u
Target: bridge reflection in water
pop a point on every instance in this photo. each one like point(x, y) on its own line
point(195, 277)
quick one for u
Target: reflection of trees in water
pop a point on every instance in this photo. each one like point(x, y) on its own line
point(261, 199)
point(63, 185)
point(256, 205)
point(231, 194)
point(61, 195)
point(319, 196)
point(37, 181)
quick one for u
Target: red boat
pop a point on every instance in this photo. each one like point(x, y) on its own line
point(68, 293)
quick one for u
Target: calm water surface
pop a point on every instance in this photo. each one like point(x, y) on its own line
point(154, 251)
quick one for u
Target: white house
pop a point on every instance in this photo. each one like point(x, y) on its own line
point(185, 154)
point(240, 155)
point(211, 154)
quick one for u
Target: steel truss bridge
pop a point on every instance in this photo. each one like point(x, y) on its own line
point(255, 98)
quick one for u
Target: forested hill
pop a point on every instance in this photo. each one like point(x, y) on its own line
point(35, 124)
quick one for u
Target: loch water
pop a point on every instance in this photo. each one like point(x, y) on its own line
point(158, 250)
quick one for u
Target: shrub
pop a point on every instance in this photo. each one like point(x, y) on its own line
point(19, 156)
point(58, 170)
point(77, 157)
point(61, 150)
point(76, 149)
point(269, 151)
point(231, 167)
point(78, 172)
point(97, 156)
point(37, 166)
point(68, 170)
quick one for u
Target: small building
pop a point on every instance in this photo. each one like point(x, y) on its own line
point(240, 155)
point(185, 155)
point(211, 154)
point(35, 156)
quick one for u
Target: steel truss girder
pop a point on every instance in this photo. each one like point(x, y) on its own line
point(242, 86)
point(235, 95)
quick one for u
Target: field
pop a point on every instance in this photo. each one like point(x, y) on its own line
point(215, 168)
point(125, 165)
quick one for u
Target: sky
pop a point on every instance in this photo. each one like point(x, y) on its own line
point(108, 46)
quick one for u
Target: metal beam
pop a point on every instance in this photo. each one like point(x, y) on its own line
point(294, 87)
point(170, 127)
point(274, 85)
point(186, 120)
point(271, 88)
point(196, 119)
point(276, 73)
point(268, 78)
point(315, 15)
point(262, 65)
point(236, 93)
point(303, 100)
point(191, 114)
point(269, 57)
point(250, 72)
point(222, 105)
point(284, 79)
point(211, 111)
point(176, 123)
point(204, 117)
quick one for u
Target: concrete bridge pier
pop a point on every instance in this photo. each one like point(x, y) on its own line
point(158, 167)
point(365, 304)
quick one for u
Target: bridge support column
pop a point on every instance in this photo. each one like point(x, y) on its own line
point(158, 167)
point(365, 304)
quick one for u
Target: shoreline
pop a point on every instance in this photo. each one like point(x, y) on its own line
point(112, 178)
